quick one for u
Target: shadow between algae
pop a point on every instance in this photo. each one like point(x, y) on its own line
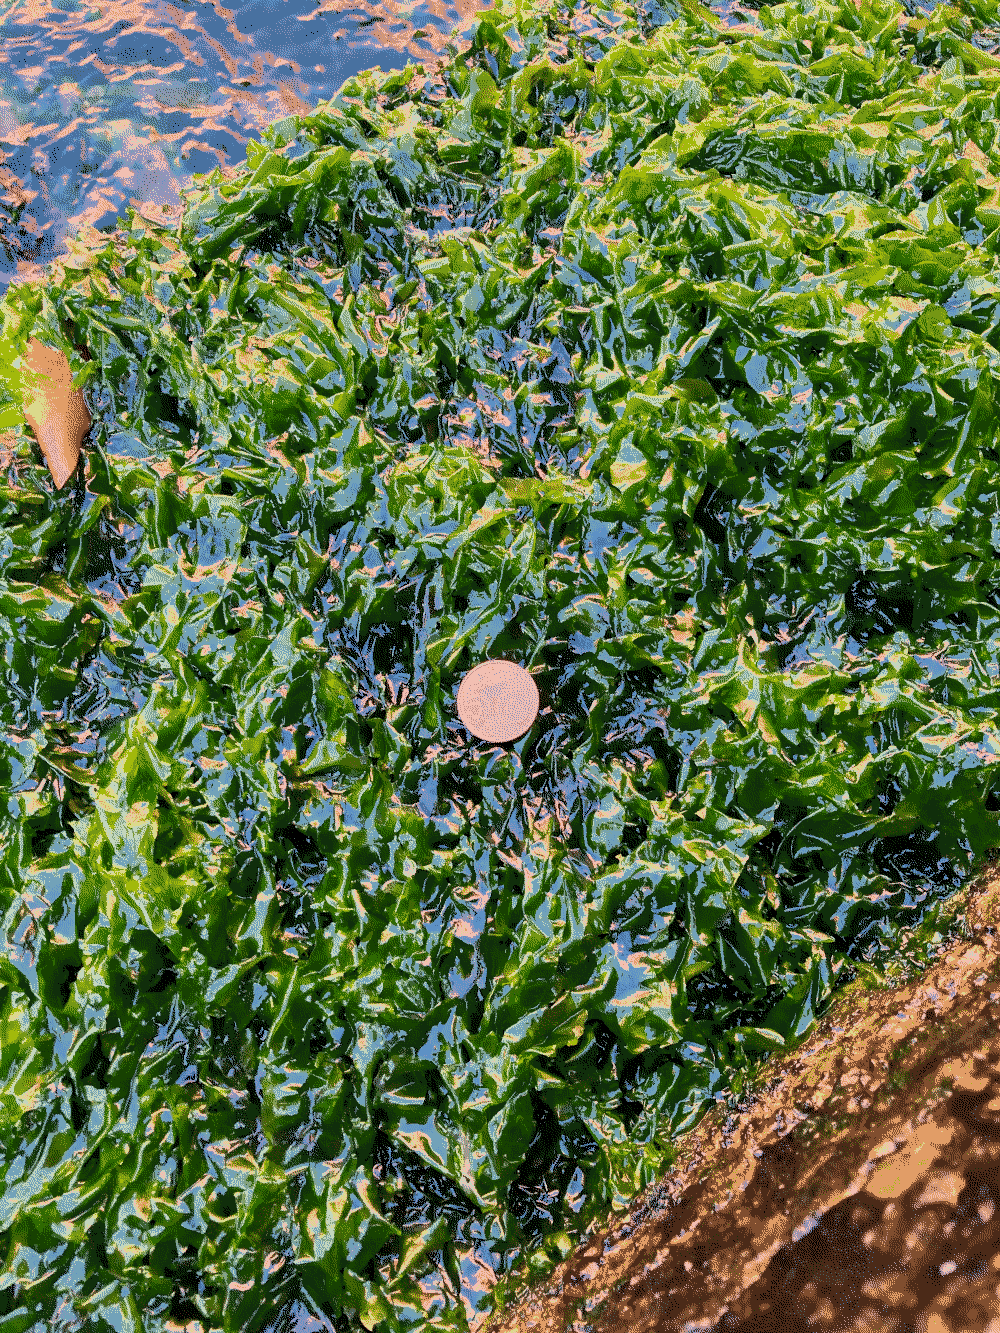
point(653, 354)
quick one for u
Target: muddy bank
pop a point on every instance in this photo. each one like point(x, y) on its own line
point(859, 1189)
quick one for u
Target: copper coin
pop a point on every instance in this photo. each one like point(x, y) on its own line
point(497, 701)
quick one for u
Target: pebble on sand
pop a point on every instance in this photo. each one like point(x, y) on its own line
point(54, 410)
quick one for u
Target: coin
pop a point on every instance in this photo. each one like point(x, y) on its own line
point(497, 701)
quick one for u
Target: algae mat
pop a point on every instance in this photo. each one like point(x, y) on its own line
point(857, 1188)
point(656, 357)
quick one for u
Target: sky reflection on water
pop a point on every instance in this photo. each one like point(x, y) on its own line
point(112, 102)
point(107, 103)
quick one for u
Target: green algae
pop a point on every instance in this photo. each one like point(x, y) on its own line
point(657, 356)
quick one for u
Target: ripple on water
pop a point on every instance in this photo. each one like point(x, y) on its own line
point(107, 103)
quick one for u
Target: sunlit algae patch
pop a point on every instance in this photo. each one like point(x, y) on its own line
point(654, 356)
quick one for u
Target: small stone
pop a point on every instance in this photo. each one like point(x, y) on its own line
point(497, 701)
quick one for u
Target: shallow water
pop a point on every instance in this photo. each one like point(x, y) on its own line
point(104, 103)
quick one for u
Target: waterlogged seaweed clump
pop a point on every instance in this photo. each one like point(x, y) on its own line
point(655, 355)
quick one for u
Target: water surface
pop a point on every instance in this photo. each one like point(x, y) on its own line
point(106, 103)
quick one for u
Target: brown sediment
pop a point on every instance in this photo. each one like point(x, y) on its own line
point(859, 1190)
point(54, 410)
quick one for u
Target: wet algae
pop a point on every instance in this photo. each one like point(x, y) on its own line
point(859, 1189)
point(656, 355)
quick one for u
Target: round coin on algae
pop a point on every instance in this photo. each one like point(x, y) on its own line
point(497, 701)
